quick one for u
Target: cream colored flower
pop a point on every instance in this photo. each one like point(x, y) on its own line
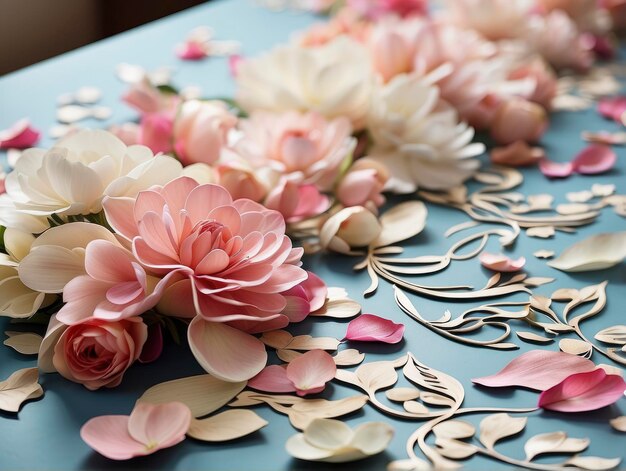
point(16, 299)
point(73, 177)
point(351, 227)
point(334, 79)
point(419, 138)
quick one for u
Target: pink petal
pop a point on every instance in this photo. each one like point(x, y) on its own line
point(298, 306)
point(154, 345)
point(371, 328)
point(316, 290)
point(19, 136)
point(234, 62)
point(272, 378)
point(555, 169)
point(191, 51)
point(583, 392)
point(225, 352)
point(501, 263)
point(310, 372)
point(159, 426)
point(156, 132)
point(119, 214)
point(593, 159)
point(537, 369)
point(109, 436)
point(612, 108)
point(105, 261)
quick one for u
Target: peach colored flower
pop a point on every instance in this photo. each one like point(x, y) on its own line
point(236, 261)
point(545, 80)
point(346, 22)
point(304, 147)
point(363, 184)
point(95, 353)
point(201, 130)
point(519, 120)
point(587, 14)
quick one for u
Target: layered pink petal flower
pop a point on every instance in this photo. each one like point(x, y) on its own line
point(305, 298)
point(537, 369)
point(97, 353)
point(519, 120)
point(371, 328)
point(149, 428)
point(19, 136)
point(153, 347)
point(501, 263)
point(297, 202)
point(363, 184)
point(594, 159)
point(545, 81)
point(234, 255)
point(307, 374)
point(115, 287)
point(305, 147)
point(585, 391)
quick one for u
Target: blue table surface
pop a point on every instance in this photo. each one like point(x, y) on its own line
point(45, 433)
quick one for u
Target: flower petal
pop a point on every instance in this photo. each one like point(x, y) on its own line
point(594, 159)
point(372, 437)
point(159, 425)
point(19, 136)
point(555, 169)
point(537, 369)
point(109, 436)
point(371, 328)
point(586, 391)
point(310, 372)
point(328, 434)
point(225, 352)
point(272, 378)
point(501, 263)
point(598, 252)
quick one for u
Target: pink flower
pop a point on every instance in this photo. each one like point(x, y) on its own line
point(363, 184)
point(347, 22)
point(19, 136)
point(97, 353)
point(234, 256)
point(501, 263)
point(191, 50)
point(517, 154)
point(155, 132)
point(307, 374)
point(128, 133)
point(544, 77)
point(115, 286)
point(519, 120)
point(308, 296)
point(149, 428)
point(297, 202)
point(306, 147)
point(374, 9)
point(201, 130)
point(146, 98)
point(240, 180)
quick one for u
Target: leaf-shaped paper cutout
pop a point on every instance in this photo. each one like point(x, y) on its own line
point(431, 379)
point(338, 308)
point(593, 463)
point(619, 423)
point(402, 394)
point(401, 222)
point(598, 252)
point(495, 427)
point(203, 394)
point(615, 335)
point(18, 388)
point(225, 426)
point(455, 449)
point(26, 343)
point(276, 338)
point(532, 337)
point(576, 347)
point(306, 342)
point(303, 412)
point(377, 375)
point(415, 407)
point(455, 429)
point(409, 465)
point(436, 399)
point(543, 443)
point(348, 357)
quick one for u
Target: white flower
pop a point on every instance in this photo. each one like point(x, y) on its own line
point(334, 79)
point(419, 138)
point(16, 299)
point(73, 177)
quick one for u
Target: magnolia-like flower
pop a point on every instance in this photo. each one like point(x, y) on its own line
point(201, 130)
point(545, 79)
point(16, 299)
point(419, 138)
point(363, 184)
point(72, 178)
point(350, 228)
point(297, 202)
point(236, 261)
point(304, 147)
point(94, 353)
point(334, 79)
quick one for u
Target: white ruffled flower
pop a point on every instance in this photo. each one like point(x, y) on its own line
point(334, 79)
point(72, 178)
point(419, 138)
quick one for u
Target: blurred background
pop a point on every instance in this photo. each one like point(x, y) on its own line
point(34, 30)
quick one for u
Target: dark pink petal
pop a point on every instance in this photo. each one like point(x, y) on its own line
point(371, 328)
point(272, 378)
point(593, 159)
point(19, 136)
point(154, 344)
point(156, 132)
point(555, 169)
point(191, 51)
point(234, 62)
point(3, 188)
point(612, 108)
point(583, 392)
point(537, 369)
point(501, 263)
point(316, 290)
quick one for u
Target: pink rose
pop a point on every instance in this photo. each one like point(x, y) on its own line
point(97, 353)
point(201, 130)
point(306, 147)
point(363, 185)
point(374, 9)
point(519, 120)
point(545, 80)
point(235, 259)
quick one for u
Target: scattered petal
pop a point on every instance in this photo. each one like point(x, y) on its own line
point(542, 232)
point(225, 426)
point(597, 252)
point(401, 222)
point(501, 263)
point(371, 328)
point(579, 196)
point(594, 159)
point(26, 343)
point(602, 190)
point(517, 154)
point(537, 369)
point(585, 391)
point(619, 423)
point(310, 372)
point(544, 253)
point(495, 427)
point(20, 136)
point(402, 394)
point(556, 169)
point(18, 388)
point(605, 137)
